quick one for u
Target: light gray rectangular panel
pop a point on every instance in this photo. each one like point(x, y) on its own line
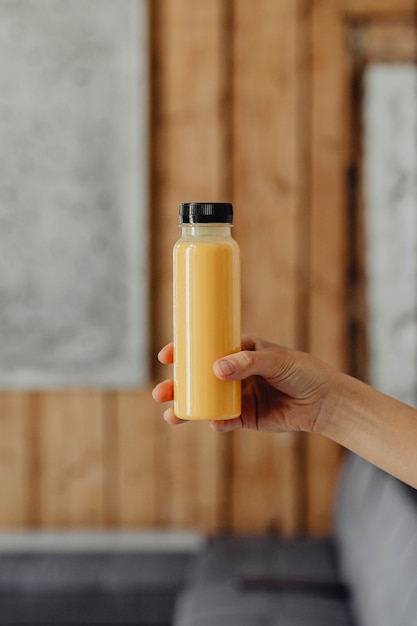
point(390, 185)
point(73, 193)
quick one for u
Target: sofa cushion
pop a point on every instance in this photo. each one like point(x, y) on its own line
point(376, 535)
point(97, 588)
point(268, 581)
point(228, 558)
point(228, 604)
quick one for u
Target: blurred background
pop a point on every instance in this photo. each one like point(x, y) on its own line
point(300, 112)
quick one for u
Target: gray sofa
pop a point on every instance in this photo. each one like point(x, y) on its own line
point(365, 574)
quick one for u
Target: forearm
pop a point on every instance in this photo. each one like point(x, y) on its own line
point(373, 425)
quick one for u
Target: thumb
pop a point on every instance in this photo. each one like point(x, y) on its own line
point(270, 363)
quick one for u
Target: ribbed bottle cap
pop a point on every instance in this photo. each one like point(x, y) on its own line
point(206, 213)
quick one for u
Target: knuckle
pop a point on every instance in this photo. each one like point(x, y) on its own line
point(247, 359)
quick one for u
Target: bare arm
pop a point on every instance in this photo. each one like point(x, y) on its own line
point(375, 426)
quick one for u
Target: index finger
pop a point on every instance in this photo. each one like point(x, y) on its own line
point(166, 354)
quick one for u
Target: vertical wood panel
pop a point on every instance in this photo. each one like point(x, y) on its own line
point(266, 195)
point(112, 460)
point(328, 232)
point(190, 127)
point(137, 462)
point(164, 231)
point(15, 460)
point(71, 454)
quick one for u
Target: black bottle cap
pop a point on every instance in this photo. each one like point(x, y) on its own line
point(206, 213)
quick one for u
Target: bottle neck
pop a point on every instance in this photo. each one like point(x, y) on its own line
point(218, 231)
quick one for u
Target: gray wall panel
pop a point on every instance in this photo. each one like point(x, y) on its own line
point(73, 193)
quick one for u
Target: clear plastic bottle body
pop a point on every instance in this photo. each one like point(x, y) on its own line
point(206, 321)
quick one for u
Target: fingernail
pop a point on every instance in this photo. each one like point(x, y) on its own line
point(225, 367)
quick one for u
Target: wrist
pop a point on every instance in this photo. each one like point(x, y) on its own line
point(332, 414)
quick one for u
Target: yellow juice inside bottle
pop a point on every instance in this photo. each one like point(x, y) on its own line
point(206, 322)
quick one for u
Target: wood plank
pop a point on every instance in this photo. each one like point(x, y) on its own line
point(266, 163)
point(328, 185)
point(328, 245)
point(268, 466)
point(190, 120)
point(378, 8)
point(213, 496)
point(15, 460)
point(71, 456)
point(324, 459)
point(113, 456)
point(266, 194)
point(137, 461)
point(382, 41)
point(164, 231)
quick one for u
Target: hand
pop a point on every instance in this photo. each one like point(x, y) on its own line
point(282, 389)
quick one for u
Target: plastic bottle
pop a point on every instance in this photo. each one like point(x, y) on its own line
point(206, 311)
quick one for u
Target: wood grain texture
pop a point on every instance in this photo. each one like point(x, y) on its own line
point(15, 460)
point(378, 8)
point(387, 41)
point(265, 163)
point(190, 129)
point(266, 173)
point(71, 456)
point(328, 232)
point(136, 460)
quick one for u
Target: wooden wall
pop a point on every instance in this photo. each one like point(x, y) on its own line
point(250, 102)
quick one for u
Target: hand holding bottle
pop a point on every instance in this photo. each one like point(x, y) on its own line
point(283, 390)
point(287, 390)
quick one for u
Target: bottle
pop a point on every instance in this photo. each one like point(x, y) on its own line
point(206, 311)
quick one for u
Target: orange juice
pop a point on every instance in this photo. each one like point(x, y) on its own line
point(206, 320)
